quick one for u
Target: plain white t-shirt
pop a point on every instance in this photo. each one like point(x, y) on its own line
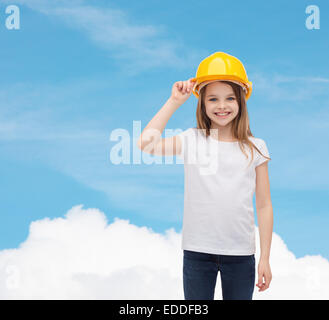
point(218, 192)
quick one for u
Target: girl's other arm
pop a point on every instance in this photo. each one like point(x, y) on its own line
point(265, 224)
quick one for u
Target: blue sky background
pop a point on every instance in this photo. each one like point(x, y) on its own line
point(77, 70)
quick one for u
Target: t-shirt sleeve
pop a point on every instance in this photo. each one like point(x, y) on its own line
point(183, 136)
point(259, 159)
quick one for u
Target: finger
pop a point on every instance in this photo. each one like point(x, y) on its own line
point(265, 284)
point(190, 86)
point(260, 283)
point(187, 87)
point(260, 279)
point(261, 286)
point(184, 86)
point(268, 279)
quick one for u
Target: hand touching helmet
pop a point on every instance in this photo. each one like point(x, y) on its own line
point(182, 90)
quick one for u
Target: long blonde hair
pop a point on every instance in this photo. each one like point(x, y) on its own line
point(240, 124)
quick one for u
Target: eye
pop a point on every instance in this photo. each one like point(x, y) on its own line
point(213, 99)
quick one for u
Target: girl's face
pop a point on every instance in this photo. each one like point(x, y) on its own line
point(220, 98)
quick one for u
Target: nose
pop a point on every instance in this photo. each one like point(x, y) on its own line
point(221, 105)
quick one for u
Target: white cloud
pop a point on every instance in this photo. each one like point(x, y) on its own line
point(135, 46)
point(285, 89)
point(81, 256)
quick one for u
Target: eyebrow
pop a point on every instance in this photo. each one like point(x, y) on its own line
point(213, 95)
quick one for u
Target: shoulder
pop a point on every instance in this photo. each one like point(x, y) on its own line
point(262, 147)
point(186, 135)
point(257, 141)
point(188, 132)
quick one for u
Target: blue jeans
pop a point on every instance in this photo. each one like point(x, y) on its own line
point(200, 273)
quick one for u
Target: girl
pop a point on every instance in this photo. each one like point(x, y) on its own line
point(218, 224)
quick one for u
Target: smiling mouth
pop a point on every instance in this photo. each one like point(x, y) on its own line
point(222, 115)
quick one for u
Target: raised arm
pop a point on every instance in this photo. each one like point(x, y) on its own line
point(150, 140)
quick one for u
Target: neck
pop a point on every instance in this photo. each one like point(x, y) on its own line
point(222, 133)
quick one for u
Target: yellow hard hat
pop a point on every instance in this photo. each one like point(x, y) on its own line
point(221, 66)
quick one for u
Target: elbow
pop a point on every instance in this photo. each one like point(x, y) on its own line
point(140, 145)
